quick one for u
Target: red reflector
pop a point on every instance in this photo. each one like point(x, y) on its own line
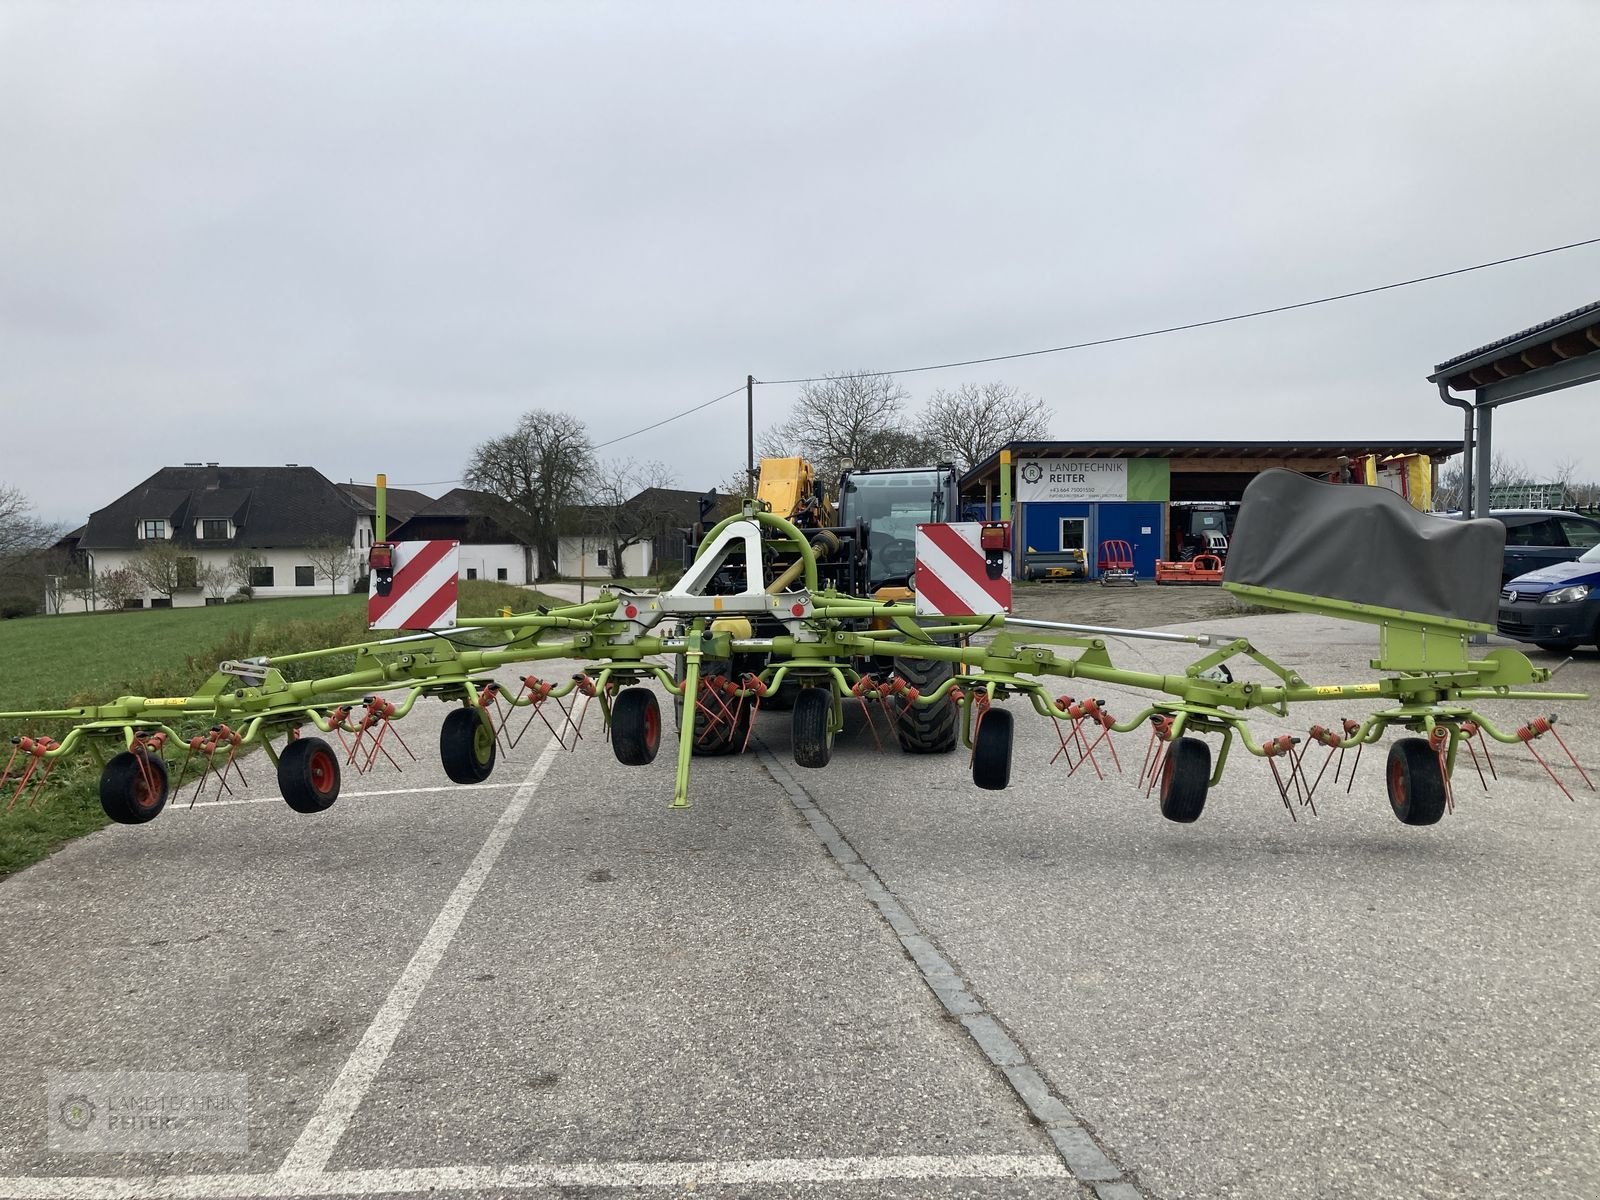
point(798, 610)
point(631, 611)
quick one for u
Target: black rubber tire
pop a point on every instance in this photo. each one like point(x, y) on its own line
point(308, 775)
point(1185, 778)
point(809, 727)
point(721, 740)
point(927, 728)
point(991, 749)
point(1188, 552)
point(466, 746)
point(132, 794)
point(1559, 647)
point(1416, 782)
point(635, 726)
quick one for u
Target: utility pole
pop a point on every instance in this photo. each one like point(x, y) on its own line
point(750, 433)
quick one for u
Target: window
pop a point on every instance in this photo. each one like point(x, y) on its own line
point(472, 572)
point(1541, 532)
point(161, 602)
point(1072, 532)
point(154, 529)
point(500, 573)
point(135, 603)
point(213, 530)
point(1580, 533)
point(189, 574)
point(305, 577)
point(210, 600)
point(602, 558)
point(260, 577)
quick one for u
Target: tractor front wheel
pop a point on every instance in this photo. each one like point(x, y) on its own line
point(1416, 782)
point(991, 750)
point(133, 787)
point(1185, 778)
point(811, 728)
point(635, 726)
point(308, 775)
point(466, 746)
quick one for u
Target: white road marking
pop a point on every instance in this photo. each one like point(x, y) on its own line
point(447, 787)
point(528, 1176)
point(317, 1141)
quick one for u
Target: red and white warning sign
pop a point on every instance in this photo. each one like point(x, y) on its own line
point(422, 588)
point(953, 572)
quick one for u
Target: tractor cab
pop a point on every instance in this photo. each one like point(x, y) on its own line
point(887, 506)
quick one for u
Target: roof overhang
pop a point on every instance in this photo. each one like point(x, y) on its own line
point(1561, 353)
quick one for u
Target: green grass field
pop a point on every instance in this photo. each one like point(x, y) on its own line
point(66, 661)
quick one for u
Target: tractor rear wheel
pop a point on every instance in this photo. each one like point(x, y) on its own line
point(133, 787)
point(308, 775)
point(466, 746)
point(811, 728)
point(635, 726)
point(1416, 782)
point(927, 728)
point(991, 749)
point(1185, 778)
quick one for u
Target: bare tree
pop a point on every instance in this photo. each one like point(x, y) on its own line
point(543, 467)
point(619, 523)
point(969, 424)
point(215, 578)
point(21, 533)
point(1503, 472)
point(117, 587)
point(80, 583)
point(241, 568)
point(853, 418)
point(332, 559)
point(164, 569)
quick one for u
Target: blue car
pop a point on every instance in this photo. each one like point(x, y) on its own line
point(1556, 607)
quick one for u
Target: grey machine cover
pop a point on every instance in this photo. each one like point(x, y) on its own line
point(1366, 545)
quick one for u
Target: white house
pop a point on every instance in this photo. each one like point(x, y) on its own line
point(278, 518)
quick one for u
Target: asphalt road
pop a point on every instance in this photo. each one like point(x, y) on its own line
point(872, 979)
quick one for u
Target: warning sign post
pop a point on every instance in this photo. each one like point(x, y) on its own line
point(422, 592)
point(953, 573)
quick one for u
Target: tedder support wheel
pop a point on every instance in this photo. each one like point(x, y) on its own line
point(133, 787)
point(1185, 776)
point(308, 775)
point(991, 749)
point(466, 746)
point(1416, 782)
point(809, 724)
point(927, 728)
point(635, 726)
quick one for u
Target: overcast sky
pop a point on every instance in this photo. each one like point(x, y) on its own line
point(367, 236)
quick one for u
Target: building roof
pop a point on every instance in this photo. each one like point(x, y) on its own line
point(269, 506)
point(400, 504)
point(1542, 356)
point(469, 516)
point(1315, 454)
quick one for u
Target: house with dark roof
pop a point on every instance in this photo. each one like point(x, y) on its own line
point(497, 539)
point(273, 529)
point(654, 525)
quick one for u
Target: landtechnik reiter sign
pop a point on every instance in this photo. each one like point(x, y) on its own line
point(1072, 479)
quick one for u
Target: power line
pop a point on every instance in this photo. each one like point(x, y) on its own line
point(668, 420)
point(1150, 333)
